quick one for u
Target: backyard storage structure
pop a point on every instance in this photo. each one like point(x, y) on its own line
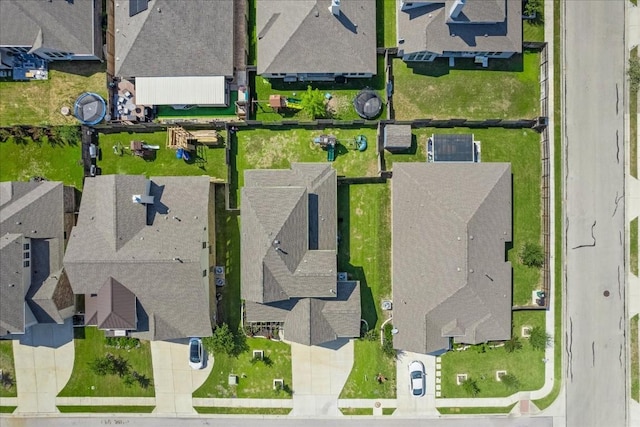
point(453, 148)
point(192, 90)
point(397, 138)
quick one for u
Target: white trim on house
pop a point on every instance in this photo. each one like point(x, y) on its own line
point(193, 90)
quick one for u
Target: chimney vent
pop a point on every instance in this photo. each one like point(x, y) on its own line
point(456, 8)
point(335, 7)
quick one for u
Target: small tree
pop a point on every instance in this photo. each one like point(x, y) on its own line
point(532, 255)
point(470, 387)
point(222, 341)
point(312, 102)
point(69, 135)
point(510, 381)
point(532, 7)
point(634, 73)
point(7, 380)
point(513, 344)
point(101, 366)
point(539, 338)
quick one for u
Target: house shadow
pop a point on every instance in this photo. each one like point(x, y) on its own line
point(50, 335)
point(440, 66)
point(335, 344)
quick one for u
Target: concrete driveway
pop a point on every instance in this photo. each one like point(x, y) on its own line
point(174, 379)
point(407, 403)
point(43, 359)
point(319, 373)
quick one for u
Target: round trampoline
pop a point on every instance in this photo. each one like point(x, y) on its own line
point(368, 104)
point(90, 108)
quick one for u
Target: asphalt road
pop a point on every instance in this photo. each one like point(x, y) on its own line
point(236, 421)
point(594, 107)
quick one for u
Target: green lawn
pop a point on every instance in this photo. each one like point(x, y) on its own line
point(368, 363)
point(241, 411)
point(89, 344)
point(228, 254)
point(356, 411)
point(7, 367)
point(209, 161)
point(7, 409)
point(254, 380)
point(388, 411)
point(166, 112)
point(107, 409)
point(526, 364)
point(558, 266)
point(479, 410)
point(507, 89)
point(56, 162)
point(522, 149)
point(633, 246)
point(277, 149)
point(635, 360)
point(39, 102)
point(341, 103)
point(386, 23)
point(633, 127)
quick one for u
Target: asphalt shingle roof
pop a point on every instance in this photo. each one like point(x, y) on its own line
point(30, 212)
point(175, 38)
point(288, 276)
point(483, 26)
point(303, 36)
point(451, 223)
point(161, 263)
point(68, 26)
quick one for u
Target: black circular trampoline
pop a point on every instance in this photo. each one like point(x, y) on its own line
point(90, 108)
point(368, 104)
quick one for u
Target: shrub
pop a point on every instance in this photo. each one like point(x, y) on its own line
point(539, 338)
point(634, 73)
point(222, 341)
point(7, 380)
point(387, 342)
point(122, 342)
point(513, 344)
point(470, 386)
point(532, 7)
point(312, 102)
point(510, 381)
point(532, 255)
point(371, 335)
point(69, 135)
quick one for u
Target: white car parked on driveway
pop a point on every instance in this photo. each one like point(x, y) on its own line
point(417, 378)
point(196, 354)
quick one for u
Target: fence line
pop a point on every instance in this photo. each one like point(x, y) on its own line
point(546, 170)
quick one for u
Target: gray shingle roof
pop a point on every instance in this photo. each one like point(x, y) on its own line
point(175, 38)
point(161, 264)
point(397, 136)
point(450, 277)
point(33, 213)
point(303, 36)
point(288, 252)
point(69, 26)
point(429, 28)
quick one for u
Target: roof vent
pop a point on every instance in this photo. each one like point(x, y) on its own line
point(456, 8)
point(335, 7)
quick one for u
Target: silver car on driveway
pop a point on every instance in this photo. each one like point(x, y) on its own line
point(196, 353)
point(417, 378)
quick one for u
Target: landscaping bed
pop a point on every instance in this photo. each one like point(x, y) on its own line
point(8, 384)
point(507, 89)
point(481, 362)
point(39, 102)
point(254, 380)
point(241, 410)
point(107, 409)
point(89, 345)
point(479, 410)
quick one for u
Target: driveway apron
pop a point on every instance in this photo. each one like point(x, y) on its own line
point(319, 374)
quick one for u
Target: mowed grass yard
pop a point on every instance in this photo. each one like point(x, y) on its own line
point(39, 102)
point(89, 345)
point(521, 148)
point(507, 89)
point(7, 367)
point(277, 149)
point(55, 162)
point(255, 380)
point(481, 365)
point(208, 161)
point(364, 252)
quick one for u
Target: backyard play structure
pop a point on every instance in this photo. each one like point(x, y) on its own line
point(185, 142)
point(280, 102)
point(328, 142)
point(136, 148)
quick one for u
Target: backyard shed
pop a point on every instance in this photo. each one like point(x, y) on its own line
point(191, 90)
point(397, 138)
point(453, 148)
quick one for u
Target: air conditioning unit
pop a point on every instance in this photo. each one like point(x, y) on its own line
point(218, 270)
point(220, 282)
point(342, 276)
point(387, 305)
